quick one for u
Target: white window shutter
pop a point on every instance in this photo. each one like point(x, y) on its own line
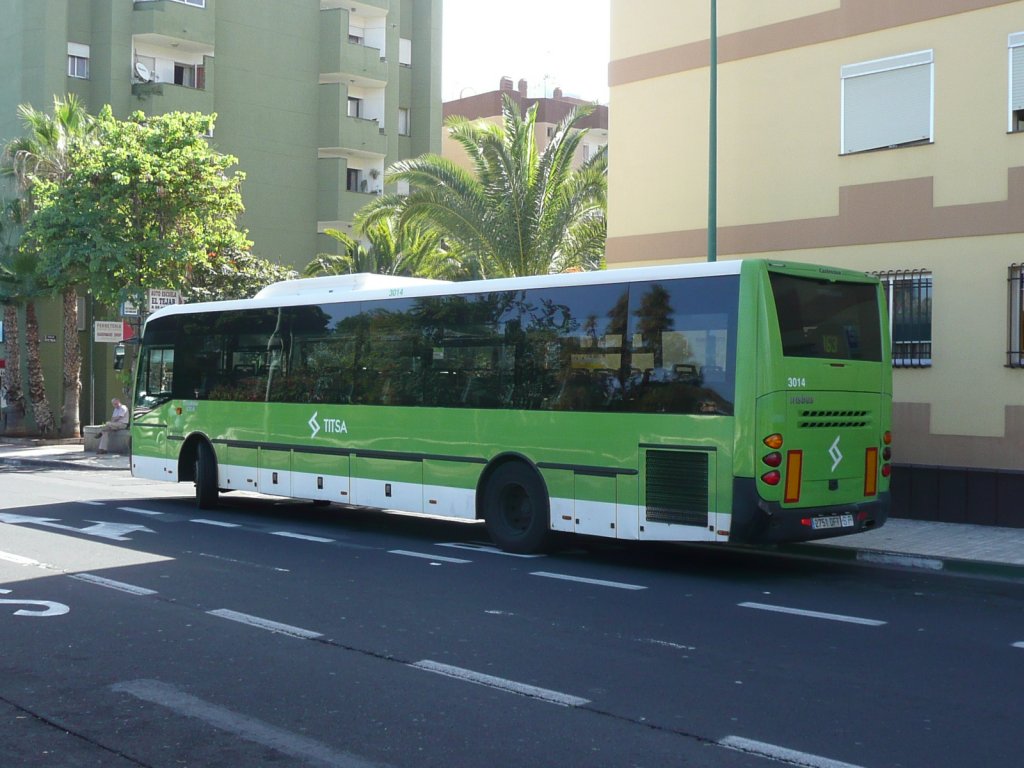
point(887, 102)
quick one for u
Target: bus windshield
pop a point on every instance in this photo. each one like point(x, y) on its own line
point(826, 319)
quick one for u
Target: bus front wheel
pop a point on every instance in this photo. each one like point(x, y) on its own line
point(206, 477)
point(516, 509)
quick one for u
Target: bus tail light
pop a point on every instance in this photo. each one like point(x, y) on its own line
point(886, 453)
point(773, 459)
point(871, 472)
point(772, 478)
point(794, 467)
point(774, 441)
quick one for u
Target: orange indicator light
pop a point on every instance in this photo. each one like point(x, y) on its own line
point(871, 472)
point(794, 466)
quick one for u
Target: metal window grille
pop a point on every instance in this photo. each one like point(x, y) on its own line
point(1015, 317)
point(909, 296)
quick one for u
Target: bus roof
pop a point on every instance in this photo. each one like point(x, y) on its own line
point(367, 286)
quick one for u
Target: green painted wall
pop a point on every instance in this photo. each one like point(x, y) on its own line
point(264, 82)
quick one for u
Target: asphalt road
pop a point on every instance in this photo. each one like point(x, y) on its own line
point(137, 631)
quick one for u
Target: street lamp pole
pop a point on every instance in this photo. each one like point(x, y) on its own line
point(713, 141)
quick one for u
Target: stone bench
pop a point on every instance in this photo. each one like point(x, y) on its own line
point(120, 441)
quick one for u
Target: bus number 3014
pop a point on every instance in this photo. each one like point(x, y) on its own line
point(797, 381)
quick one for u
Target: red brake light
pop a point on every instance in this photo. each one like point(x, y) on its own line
point(772, 478)
point(773, 459)
point(886, 470)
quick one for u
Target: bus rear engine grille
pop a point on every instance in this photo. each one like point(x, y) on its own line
point(834, 419)
point(677, 487)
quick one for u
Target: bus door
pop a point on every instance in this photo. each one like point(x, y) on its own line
point(154, 416)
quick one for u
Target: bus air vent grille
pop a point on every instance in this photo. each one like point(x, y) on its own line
point(834, 419)
point(677, 487)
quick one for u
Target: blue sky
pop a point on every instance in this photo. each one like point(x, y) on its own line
point(550, 43)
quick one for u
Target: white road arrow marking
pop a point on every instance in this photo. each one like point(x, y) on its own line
point(99, 529)
point(49, 608)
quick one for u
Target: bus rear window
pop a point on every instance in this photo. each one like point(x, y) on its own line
point(824, 319)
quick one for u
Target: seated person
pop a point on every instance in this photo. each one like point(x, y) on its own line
point(118, 421)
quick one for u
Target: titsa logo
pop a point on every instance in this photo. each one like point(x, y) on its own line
point(330, 426)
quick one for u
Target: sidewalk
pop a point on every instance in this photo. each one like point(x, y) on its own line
point(976, 550)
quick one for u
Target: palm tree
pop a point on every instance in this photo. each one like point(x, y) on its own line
point(45, 153)
point(393, 251)
point(19, 283)
point(521, 211)
point(10, 375)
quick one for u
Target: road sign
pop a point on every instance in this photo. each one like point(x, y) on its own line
point(160, 298)
point(108, 331)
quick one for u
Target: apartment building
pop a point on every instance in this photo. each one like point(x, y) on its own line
point(551, 110)
point(314, 97)
point(882, 136)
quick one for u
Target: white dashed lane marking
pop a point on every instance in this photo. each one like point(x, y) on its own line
point(781, 754)
point(814, 614)
point(267, 624)
point(501, 684)
point(120, 586)
point(138, 511)
point(582, 580)
point(426, 556)
point(302, 536)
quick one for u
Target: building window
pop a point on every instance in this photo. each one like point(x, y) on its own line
point(78, 61)
point(352, 179)
point(909, 296)
point(355, 107)
point(888, 102)
point(404, 125)
point(1016, 44)
point(196, 3)
point(1015, 322)
point(404, 52)
point(190, 75)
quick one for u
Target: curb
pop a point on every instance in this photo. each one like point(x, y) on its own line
point(877, 557)
point(22, 461)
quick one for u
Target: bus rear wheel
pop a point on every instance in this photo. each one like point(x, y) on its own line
point(516, 509)
point(206, 477)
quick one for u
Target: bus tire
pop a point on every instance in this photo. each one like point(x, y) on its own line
point(517, 510)
point(206, 477)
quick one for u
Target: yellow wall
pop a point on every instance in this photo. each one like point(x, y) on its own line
point(779, 166)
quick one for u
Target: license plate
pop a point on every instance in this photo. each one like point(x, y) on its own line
point(834, 521)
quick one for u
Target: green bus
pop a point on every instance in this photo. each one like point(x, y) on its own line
point(738, 401)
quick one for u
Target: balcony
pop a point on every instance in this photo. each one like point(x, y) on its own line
point(170, 20)
point(343, 61)
point(340, 135)
point(160, 97)
point(336, 204)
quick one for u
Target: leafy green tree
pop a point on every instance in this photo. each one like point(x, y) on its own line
point(232, 276)
point(141, 208)
point(521, 211)
point(45, 155)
